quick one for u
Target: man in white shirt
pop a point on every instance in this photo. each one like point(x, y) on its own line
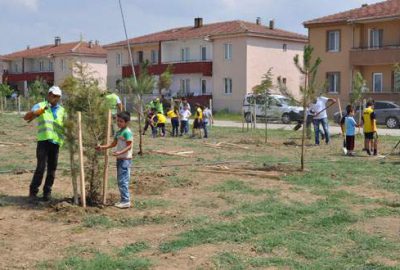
point(321, 117)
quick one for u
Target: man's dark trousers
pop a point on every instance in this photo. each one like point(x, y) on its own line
point(46, 153)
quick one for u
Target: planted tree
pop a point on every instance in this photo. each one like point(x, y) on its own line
point(309, 70)
point(263, 91)
point(357, 93)
point(144, 84)
point(83, 94)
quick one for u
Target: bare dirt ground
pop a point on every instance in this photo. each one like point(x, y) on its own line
point(169, 200)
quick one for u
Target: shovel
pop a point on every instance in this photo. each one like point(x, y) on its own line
point(300, 124)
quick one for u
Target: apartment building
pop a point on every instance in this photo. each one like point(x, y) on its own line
point(365, 40)
point(225, 60)
point(53, 63)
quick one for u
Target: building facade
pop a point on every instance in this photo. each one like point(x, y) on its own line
point(225, 60)
point(365, 40)
point(53, 63)
point(3, 67)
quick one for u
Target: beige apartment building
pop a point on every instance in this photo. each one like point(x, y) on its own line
point(365, 40)
point(53, 63)
point(224, 60)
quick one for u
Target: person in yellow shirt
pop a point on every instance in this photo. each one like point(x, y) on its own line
point(158, 122)
point(173, 115)
point(370, 130)
point(198, 121)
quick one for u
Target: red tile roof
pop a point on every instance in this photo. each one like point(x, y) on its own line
point(213, 30)
point(386, 9)
point(72, 48)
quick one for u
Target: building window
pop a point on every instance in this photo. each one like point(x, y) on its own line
point(154, 56)
point(375, 38)
point(16, 69)
point(203, 87)
point(185, 86)
point(41, 66)
point(333, 80)
point(284, 47)
point(228, 85)
point(333, 44)
point(284, 81)
point(140, 56)
point(203, 53)
point(119, 59)
point(228, 51)
point(377, 82)
point(51, 68)
point(396, 81)
point(62, 64)
point(185, 54)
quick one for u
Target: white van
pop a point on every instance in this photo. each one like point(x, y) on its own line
point(280, 108)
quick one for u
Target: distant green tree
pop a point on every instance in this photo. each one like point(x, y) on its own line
point(38, 90)
point(262, 92)
point(165, 80)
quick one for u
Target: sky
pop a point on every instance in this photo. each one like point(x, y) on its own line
point(37, 22)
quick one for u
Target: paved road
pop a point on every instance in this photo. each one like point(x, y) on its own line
point(334, 129)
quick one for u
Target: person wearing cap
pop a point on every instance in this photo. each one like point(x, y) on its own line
point(50, 136)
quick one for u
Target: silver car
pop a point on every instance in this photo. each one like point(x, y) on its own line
point(280, 108)
point(387, 113)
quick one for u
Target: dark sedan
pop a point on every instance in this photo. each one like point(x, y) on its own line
point(387, 113)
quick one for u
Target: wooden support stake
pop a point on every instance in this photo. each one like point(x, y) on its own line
point(82, 170)
point(242, 119)
point(105, 176)
point(124, 104)
point(1, 103)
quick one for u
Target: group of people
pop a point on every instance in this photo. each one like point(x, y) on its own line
point(179, 117)
point(50, 116)
point(368, 122)
point(317, 115)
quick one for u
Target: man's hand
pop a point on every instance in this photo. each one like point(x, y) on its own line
point(116, 153)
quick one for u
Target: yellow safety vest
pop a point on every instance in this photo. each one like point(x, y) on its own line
point(50, 128)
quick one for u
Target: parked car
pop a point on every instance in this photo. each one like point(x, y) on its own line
point(387, 113)
point(280, 108)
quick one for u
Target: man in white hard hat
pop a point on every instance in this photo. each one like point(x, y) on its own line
point(50, 123)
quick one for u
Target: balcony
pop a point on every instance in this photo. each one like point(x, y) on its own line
point(387, 55)
point(204, 68)
point(28, 76)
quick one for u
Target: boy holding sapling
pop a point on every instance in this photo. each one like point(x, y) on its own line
point(123, 141)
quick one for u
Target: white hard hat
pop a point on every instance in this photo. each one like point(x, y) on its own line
point(55, 90)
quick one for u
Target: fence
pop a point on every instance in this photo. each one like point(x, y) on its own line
point(19, 104)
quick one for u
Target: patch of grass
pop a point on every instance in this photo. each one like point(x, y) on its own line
point(133, 248)
point(152, 203)
point(99, 261)
point(179, 181)
point(93, 221)
point(234, 185)
point(101, 221)
point(229, 261)
point(227, 198)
